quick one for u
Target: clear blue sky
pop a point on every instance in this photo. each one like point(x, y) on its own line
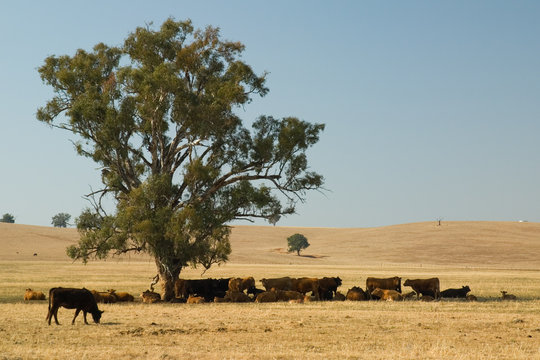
point(432, 108)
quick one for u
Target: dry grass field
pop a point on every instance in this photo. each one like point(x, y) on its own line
point(487, 256)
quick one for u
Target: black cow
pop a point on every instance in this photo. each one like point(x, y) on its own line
point(207, 288)
point(328, 287)
point(456, 293)
point(79, 299)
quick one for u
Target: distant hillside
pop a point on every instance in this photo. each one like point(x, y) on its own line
point(462, 243)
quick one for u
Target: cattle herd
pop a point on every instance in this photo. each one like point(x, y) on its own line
point(294, 290)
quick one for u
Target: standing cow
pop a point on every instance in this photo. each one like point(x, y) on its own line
point(79, 299)
point(393, 283)
point(426, 287)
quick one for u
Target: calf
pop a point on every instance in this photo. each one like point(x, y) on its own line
point(104, 297)
point(195, 300)
point(121, 296)
point(456, 293)
point(33, 295)
point(471, 297)
point(79, 299)
point(506, 296)
point(150, 297)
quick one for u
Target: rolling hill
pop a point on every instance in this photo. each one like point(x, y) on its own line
point(460, 243)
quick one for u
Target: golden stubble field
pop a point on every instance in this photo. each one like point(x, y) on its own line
point(487, 329)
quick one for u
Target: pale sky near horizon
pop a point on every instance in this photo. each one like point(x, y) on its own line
point(432, 108)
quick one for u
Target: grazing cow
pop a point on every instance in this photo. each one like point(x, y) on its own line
point(428, 287)
point(284, 283)
point(471, 297)
point(287, 295)
point(328, 287)
point(236, 297)
point(150, 297)
point(267, 296)
point(30, 294)
point(241, 284)
point(356, 294)
point(456, 293)
point(195, 300)
point(121, 296)
point(393, 283)
point(339, 296)
point(506, 296)
point(388, 295)
point(79, 299)
point(305, 285)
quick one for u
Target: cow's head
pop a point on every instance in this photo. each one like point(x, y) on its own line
point(338, 281)
point(466, 288)
point(97, 316)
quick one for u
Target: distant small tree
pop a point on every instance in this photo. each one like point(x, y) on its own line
point(296, 243)
point(61, 220)
point(8, 218)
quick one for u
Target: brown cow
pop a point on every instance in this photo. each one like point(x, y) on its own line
point(388, 295)
point(195, 300)
point(121, 296)
point(287, 295)
point(428, 287)
point(150, 297)
point(393, 283)
point(356, 294)
point(30, 294)
point(104, 297)
point(409, 295)
point(236, 297)
point(79, 299)
point(471, 297)
point(284, 283)
point(241, 284)
point(328, 287)
point(305, 285)
point(339, 296)
point(267, 296)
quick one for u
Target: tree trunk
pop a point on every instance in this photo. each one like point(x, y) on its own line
point(168, 279)
point(298, 252)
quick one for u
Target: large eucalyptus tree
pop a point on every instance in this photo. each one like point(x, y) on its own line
point(159, 115)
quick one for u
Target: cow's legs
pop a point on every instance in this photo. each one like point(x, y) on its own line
point(84, 316)
point(55, 313)
point(76, 314)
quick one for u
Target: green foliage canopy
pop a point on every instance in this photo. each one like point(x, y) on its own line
point(158, 115)
point(297, 242)
point(8, 218)
point(61, 220)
